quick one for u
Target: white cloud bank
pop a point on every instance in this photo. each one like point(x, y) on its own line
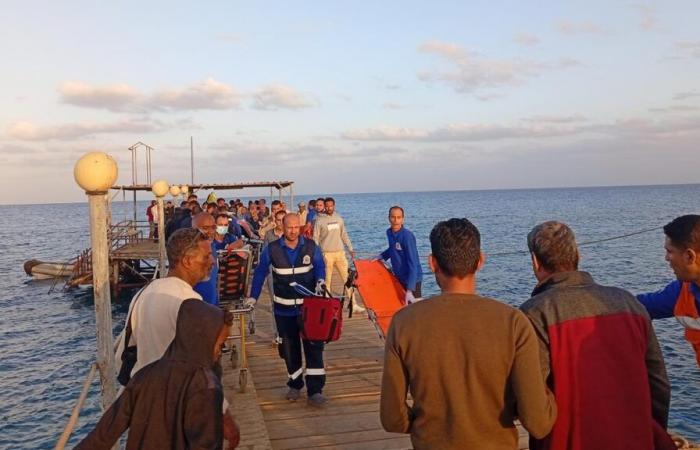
point(279, 96)
point(209, 94)
point(470, 72)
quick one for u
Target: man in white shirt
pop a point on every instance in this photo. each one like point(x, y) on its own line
point(154, 309)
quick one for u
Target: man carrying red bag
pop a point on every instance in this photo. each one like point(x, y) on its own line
point(293, 258)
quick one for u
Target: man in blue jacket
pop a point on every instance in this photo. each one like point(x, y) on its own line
point(681, 298)
point(403, 253)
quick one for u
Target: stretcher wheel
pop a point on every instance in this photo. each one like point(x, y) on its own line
point(251, 327)
point(234, 357)
point(243, 379)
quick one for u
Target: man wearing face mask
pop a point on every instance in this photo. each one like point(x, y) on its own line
point(208, 288)
point(224, 239)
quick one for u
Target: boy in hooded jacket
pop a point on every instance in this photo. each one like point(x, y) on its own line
point(173, 403)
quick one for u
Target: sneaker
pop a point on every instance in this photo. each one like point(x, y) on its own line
point(357, 308)
point(293, 394)
point(317, 400)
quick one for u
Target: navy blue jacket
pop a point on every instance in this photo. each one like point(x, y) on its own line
point(403, 253)
point(263, 269)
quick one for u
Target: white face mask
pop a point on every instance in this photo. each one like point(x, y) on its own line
point(221, 229)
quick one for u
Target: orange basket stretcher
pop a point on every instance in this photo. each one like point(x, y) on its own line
point(381, 292)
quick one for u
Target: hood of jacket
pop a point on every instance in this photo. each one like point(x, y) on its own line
point(198, 327)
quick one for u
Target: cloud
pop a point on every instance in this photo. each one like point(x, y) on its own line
point(641, 129)
point(392, 105)
point(536, 128)
point(28, 131)
point(690, 48)
point(208, 94)
point(230, 38)
point(526, 39)
point(457, 133)
point(471, 72)
point(648, 18)
point(555, 119)
point(570, 28)
point(392, 87)
point(686, 95)
point(114, 97)
point(675, 108)
point(278, 96)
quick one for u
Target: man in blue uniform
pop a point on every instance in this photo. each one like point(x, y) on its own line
point(293, 258)
point(208, 288)
point(681, 298)
point(403, 253)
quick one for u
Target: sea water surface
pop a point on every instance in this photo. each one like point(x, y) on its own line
point(47, 341)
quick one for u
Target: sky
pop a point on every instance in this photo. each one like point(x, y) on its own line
point(351, 96)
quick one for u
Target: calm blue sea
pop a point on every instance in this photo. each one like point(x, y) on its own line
point(47, 341)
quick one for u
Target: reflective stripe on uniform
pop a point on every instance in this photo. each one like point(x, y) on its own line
point(288, 301)
point(296, 374)
point(292, 270)
point(315, 371)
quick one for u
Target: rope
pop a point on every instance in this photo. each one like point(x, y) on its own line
point(60, 445)
point(525, 252)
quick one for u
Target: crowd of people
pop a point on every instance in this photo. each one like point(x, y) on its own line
point(578, 364)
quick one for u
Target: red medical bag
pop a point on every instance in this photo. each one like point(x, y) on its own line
point(321, 318)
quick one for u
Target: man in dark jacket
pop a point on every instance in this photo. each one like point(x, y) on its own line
point(599, 354)
point(175, 402)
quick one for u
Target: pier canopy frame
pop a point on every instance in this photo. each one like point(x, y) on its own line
point(284, 189)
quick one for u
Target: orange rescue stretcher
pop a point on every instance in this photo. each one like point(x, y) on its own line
point(381, 292)
point(233, 285)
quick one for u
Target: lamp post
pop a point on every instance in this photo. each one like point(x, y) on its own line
point(174, 191)
point(96, 172)
point(160, 188)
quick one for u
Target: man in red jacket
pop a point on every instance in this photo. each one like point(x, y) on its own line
point(599, 354)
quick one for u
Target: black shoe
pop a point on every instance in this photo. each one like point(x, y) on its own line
point(317, 400)
point(293, 394)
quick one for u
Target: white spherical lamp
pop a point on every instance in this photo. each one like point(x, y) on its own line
point(184, 189)
point(160, 188)
point(96, 172)
point(174, 190)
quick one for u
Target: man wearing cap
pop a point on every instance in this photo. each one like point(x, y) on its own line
point(302, 213)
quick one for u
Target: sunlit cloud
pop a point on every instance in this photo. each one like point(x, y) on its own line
point(569, 27)
point(113, 97)
point(457, 133)
point(471, 72)
point(29, 131)
point(689, 48)
point(208, 94)
point(526, 39)
point(278, 96)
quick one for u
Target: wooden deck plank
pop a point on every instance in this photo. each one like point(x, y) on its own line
point(349, 421)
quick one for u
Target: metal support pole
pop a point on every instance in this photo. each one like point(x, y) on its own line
point(163, 257)
point(103, 304)
point(291, 197)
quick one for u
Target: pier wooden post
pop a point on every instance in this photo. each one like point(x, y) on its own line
point(161, 237)
point(96, 172)
point(159, 189)
point(103, 301)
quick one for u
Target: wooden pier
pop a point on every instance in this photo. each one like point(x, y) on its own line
point(349, 421)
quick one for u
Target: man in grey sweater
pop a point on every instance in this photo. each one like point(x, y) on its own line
point(331, 237)
point(470, 363)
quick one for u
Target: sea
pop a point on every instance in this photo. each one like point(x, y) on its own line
point(47, 337)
